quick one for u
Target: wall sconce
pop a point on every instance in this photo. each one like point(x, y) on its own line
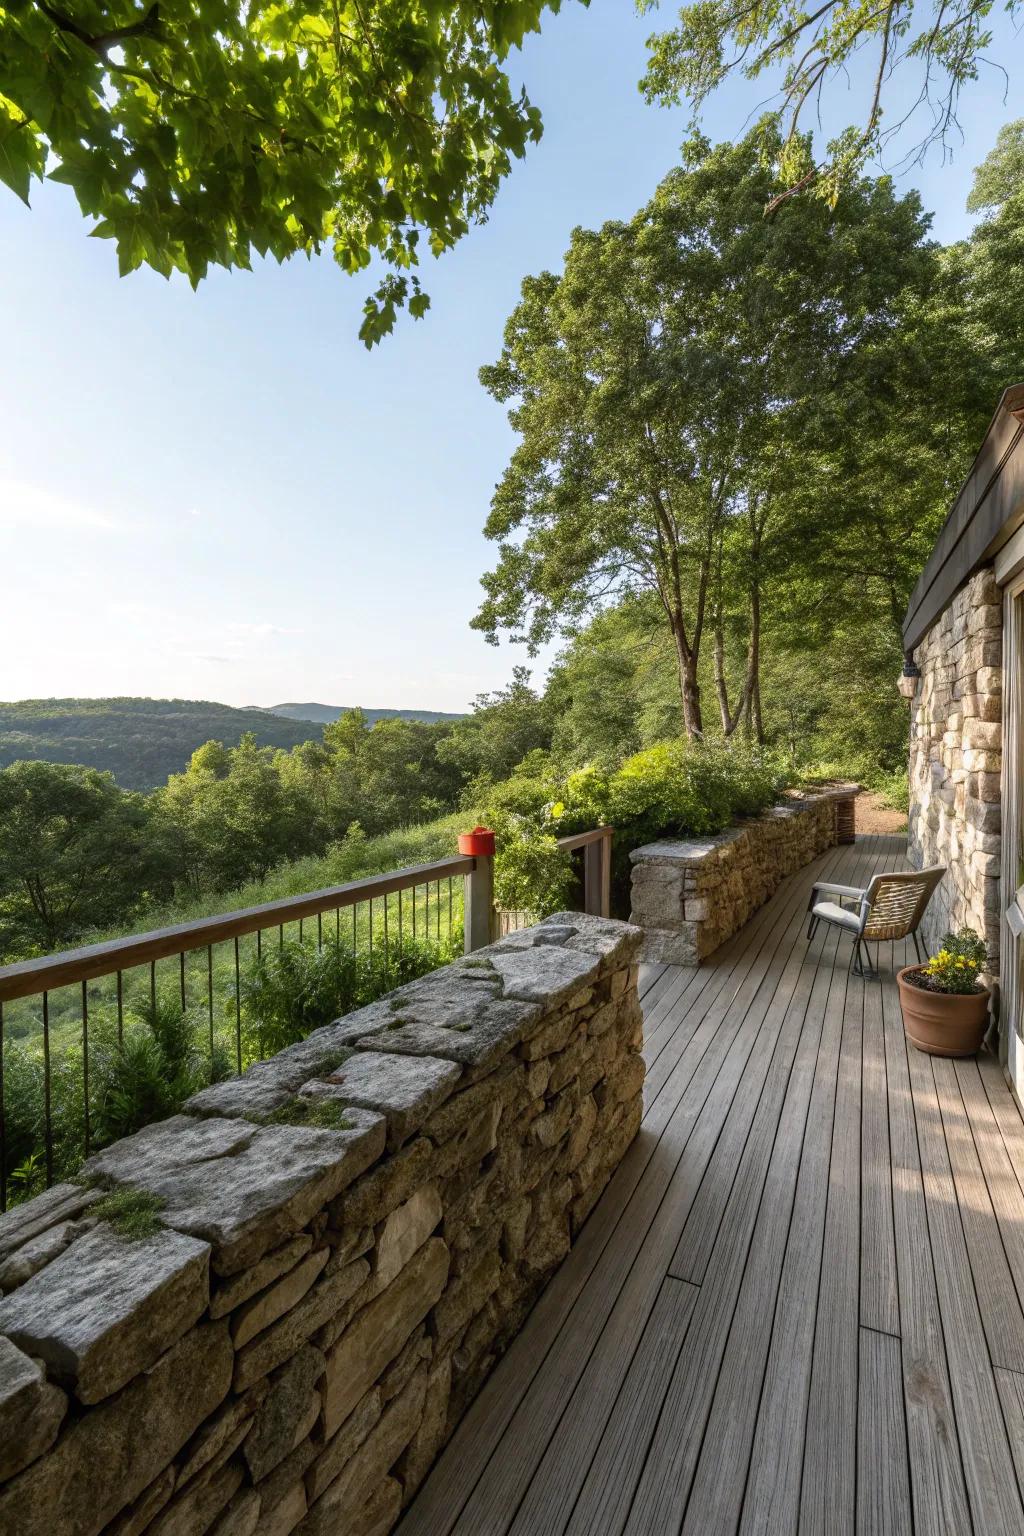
point(907, 681)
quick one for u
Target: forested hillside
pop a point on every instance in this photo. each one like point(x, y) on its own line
point(323, 714)
point(142, 741)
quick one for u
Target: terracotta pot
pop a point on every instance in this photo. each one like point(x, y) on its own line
point(942, 1023)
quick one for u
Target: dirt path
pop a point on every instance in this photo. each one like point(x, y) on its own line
point(873, 816)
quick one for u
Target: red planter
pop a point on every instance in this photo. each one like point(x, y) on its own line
point(478, 844)
point(942, 1023)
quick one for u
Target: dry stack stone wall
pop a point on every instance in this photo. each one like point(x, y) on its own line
point(956, 738)
point(345, 1240)
point(690, 896)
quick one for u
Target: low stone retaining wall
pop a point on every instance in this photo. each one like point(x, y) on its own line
point(277, 1318)
point(690, 896)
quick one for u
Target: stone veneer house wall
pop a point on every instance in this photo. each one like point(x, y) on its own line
point(344, 1241)
point(964, 633)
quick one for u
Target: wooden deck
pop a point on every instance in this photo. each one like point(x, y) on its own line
point(798, 1305)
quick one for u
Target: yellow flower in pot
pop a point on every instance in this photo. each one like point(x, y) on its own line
point(945, 1006)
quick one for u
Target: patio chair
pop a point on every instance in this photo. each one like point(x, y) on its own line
point(891, 907)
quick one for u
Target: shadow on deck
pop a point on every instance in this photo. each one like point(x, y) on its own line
point(798, 1305)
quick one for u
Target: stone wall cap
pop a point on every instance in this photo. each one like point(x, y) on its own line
point(23, 1222)
point(692, 851)
point(242, 1187)
point(106, 1308)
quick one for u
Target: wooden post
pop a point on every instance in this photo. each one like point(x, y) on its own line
point(846, 812)
point(478, 903)
point(597, 875)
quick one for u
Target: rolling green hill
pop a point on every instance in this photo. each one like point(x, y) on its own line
point(323, 714)
point(139, 741)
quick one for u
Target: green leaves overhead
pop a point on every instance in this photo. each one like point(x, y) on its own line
point(810, 53)
point(198, 131)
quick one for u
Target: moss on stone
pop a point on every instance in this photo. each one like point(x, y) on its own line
point(133, 1213)
point(320, 1112)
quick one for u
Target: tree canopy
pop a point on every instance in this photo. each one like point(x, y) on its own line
point(664, 389)
point(940, 44)
point(198, 132)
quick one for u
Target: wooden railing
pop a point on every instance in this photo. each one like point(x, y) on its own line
point(382, 913)
point(596, 846)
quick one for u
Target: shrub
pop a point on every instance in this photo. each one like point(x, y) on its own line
point(674, 789)
point(148, 1075)
point(295, 988)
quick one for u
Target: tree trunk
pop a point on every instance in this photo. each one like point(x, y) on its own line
point(689, 688)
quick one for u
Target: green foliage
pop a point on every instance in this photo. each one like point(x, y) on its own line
point(672, 789)
point(1000, 175)
point(894, 789)
point(810, 55)
point(134, 1214)
point(72, 847)
point(319, 1111)
point(139, 741)
point(199, 134)
point(296, 987)
point(955, 968)
point(669, 391)
point(148, 1075)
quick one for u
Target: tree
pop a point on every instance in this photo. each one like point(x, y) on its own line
point(658, 380)
point(503, 728)
point(1000, 175)
point(75, 851)
point(198, 132)
point(943, 43)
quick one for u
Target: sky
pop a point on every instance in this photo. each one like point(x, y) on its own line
point(222, 495)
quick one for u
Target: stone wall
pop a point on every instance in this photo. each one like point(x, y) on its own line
point(956, 762)
point(267, 1314)
point(690, 896)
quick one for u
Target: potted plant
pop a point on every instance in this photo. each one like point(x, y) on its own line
point(945, 1005)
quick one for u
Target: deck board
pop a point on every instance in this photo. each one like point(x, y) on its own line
point(798, 1305)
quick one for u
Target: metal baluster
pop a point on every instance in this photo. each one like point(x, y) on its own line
point(47, 1121)
point(371, 927)
point(152, 984)
point(181, 977)
point(438, 895)
point(238, 1009)
point(426, 910)
point(319, 931)
point(414, 914)
point(259, 943)
point(300, 930)
point(354, 940)
point(3, 1122)
point(280, 938)
point(401, 934)
point(120, 1007)
point(449, 906)
point(85, 1065)
point(209, 994)
point(386, 946)
point(337, 929)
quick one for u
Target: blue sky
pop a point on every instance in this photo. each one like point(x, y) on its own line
point(222, 495)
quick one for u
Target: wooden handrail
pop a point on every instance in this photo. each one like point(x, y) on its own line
point(29, 977)
point(583, 839)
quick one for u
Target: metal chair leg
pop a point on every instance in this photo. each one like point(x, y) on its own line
point(917, 947)
point(862, 967)
point(812, 927)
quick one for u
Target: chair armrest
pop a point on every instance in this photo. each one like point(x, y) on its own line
point(854, 892)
